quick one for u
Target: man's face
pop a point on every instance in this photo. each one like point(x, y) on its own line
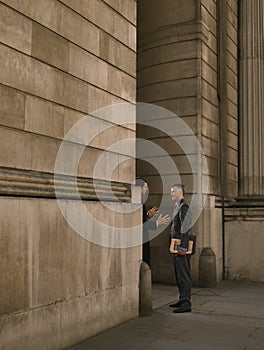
point(176, 193)
point(144, 190)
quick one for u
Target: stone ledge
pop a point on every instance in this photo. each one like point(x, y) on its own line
point(244, 214)
point(27, 183)
point(249, 201)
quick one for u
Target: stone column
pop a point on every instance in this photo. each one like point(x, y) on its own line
point(251, 98)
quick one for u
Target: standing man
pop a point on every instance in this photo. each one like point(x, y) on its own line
point(147, 223)
point(181, 226)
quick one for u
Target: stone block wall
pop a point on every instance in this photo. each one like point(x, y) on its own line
point(209, 100)
point(219, 117)
point(61, 61)
point(232, 97)
point(50, 58)
point(57, 288)
point(244, 244)
point(219, 87)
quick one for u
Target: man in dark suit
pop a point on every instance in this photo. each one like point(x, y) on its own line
point(181, 227)
point(147, 223)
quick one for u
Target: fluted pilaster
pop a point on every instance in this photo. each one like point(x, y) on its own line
point(251, 98)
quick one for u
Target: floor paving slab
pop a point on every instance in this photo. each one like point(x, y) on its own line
point(227, 317)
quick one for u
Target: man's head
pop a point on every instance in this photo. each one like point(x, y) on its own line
point(144, 186)
point(177, 192)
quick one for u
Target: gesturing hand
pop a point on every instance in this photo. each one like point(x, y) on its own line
point(163, 220)
point(151, 212)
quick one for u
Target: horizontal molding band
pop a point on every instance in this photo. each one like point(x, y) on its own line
point(244, 214)
point(27, 183)
point(250, 201)
point(247, 208)
point(173, 34)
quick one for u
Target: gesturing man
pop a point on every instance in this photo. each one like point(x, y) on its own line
point(147, 223)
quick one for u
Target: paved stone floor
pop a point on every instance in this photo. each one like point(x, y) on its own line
point(227, 317)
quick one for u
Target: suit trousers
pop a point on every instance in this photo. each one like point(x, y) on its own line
point(146, 252)
point(182, 265)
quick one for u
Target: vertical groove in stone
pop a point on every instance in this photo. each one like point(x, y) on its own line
point(252, 103)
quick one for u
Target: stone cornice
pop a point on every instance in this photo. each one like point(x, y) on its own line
point(244, 214)
point(249, 202)
point(27, 183)
point(247, 208)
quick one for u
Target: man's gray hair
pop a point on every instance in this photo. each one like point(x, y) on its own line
point(180, 187)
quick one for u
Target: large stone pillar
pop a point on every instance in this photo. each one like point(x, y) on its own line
point(251, 98)
point(179, 69)
point(168, 55)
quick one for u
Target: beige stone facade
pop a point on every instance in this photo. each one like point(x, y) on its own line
point(62, 61)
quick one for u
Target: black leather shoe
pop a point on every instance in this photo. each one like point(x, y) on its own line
point(182, 309)
point(177, 304)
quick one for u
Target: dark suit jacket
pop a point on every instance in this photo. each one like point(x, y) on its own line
point(182, 224)
point(147, 225)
